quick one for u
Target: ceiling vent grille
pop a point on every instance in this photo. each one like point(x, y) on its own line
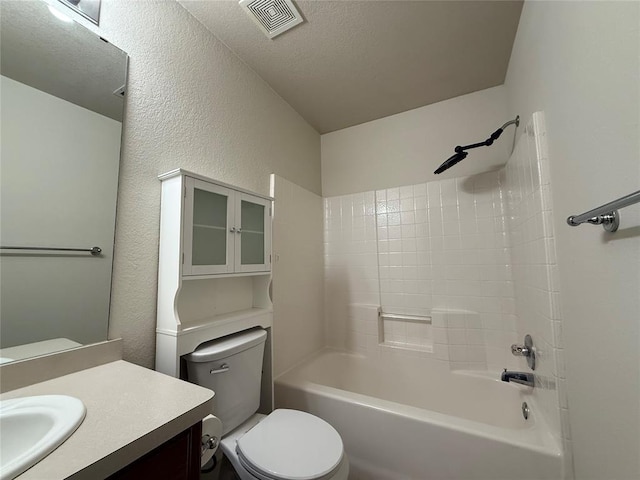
point(272, 16)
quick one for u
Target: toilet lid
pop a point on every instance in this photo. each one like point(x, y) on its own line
point(291, 445)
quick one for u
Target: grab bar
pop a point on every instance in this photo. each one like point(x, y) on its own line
point(606, 215)
point(93, 250)
point(410, 318)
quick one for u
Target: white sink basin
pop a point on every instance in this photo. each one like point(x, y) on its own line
point(33, 427)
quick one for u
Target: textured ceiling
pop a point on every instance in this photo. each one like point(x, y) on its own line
point(354, 61)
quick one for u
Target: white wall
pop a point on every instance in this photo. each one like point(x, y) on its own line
point(59, 185)
point(298, 281)
point(406, 148)
point(191, 103)
point(578, 62)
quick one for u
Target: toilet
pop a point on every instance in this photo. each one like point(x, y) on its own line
point(284, 445)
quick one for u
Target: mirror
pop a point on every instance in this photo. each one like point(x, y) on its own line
point(61, 107)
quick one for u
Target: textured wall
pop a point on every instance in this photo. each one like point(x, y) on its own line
point(191, 103)
point(578, 62)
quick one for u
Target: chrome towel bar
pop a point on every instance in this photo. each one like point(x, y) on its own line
point(408, 318)
point(605, 215)
point(93, 250)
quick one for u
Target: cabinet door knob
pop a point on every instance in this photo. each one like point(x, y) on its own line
point(239, 230)
point(232, 229)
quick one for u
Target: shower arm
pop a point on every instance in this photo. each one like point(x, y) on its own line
point(489, 141)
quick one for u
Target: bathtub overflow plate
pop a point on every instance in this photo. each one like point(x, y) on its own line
point(525, 410)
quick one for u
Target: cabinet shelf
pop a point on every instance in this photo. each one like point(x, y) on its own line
point(213, 227)
point(219, 321)
point(224, 275)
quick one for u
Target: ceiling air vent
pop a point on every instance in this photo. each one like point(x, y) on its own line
point(272, 16)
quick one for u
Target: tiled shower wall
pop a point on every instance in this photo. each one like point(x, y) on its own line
point(351, 271)
point(440, 246)
point(527, 184)
point(476, 254)
point(443, 246)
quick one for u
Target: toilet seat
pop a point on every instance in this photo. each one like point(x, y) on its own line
point(291, 445)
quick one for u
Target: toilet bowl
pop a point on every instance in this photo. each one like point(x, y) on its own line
point(284, 445)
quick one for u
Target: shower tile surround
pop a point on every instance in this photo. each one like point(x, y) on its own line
point(527, 184)
point(476, 254)
point(438, 249)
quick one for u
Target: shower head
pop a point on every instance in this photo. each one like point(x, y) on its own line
point(461, 154)
point(451, 161)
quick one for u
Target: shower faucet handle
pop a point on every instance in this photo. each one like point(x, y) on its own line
point(525, 350)
point(520, 350)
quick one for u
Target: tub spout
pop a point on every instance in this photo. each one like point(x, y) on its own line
point(522, 378)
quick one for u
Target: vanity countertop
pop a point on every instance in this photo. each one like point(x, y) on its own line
point(130, 411)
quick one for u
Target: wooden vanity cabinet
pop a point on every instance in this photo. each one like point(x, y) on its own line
point(176, 459)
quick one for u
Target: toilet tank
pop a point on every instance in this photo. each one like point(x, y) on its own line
point(231, 366)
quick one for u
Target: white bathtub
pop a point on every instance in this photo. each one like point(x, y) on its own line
point(407, 418)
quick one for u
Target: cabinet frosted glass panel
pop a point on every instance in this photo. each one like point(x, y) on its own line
point(253, 233)
point(208, 241)
point(225, 231)
point(209, 245)
point(253, 244)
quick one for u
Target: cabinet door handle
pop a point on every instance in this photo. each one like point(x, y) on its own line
point(239, 230)
point(232, 229)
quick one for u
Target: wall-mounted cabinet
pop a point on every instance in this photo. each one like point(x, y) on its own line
point(214, 265)
point(225, 231)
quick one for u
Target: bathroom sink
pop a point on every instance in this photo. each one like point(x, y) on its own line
point(33, 427)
